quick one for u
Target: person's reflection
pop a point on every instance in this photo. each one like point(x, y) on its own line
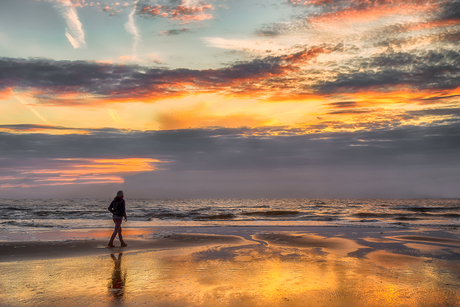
point(117, 284)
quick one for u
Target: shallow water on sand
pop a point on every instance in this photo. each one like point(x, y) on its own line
point(269, 268)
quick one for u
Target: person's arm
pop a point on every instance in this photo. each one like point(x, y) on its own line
point(124, 211)
point(110, 208)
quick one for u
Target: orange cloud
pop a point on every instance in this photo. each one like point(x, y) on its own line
point(6, 93)
point(101, 166)
point(367, 10)
point(199, 117)
point(281, 97)
point(78, 171)
point(191, 13)
point(433, 24)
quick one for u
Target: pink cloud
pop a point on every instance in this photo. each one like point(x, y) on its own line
point(185, 12)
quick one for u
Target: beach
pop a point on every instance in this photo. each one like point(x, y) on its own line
point(261, 153)
point(232, 266)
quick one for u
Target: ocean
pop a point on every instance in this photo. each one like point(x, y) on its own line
point(45, 214)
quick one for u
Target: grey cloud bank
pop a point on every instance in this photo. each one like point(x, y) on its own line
point(409, 161)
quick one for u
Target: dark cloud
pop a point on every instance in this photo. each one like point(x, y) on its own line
point(269, 33)
point(346, 107)
point(175, 10)
point(429, 70)
point(436, 99)
point(436, 112)
point(442, 59)
point(295, 25)
point(394, 41)
point(450, 11)
point(342, 104)
point(174, 31)
point(50, 78)
point(120, 81)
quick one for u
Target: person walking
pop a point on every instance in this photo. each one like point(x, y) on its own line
point(117, 208)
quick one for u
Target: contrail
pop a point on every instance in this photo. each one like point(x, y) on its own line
point(131, 27)
point(74, 32)
point(21, 100)
point(114, 114)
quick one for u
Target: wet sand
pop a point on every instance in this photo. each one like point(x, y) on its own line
point(232, 266)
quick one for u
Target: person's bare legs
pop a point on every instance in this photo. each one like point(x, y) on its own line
point(120, 237)
point(116, 230)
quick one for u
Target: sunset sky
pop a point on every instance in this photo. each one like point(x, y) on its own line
point(235, 98)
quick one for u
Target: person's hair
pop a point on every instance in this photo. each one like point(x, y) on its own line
point(120, 193)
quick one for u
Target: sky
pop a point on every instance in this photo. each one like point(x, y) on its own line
point(230, 98)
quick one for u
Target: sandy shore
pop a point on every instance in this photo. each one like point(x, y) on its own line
point(232, 266)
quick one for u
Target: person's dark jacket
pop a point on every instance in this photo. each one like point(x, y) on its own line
point(117, 207)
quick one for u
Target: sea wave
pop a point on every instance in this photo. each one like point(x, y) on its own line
point(29, 224)
point(72, 213)
point(272, 213)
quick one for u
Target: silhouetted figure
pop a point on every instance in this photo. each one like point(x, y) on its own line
point(117, 284)
point(117, 208)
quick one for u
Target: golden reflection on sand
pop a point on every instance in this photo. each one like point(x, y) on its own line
point(426, 247)
point(390, 260)
point(427, 240)
point(378, 240)
point(292, 270)
point(116, 285)
point(336, 245)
